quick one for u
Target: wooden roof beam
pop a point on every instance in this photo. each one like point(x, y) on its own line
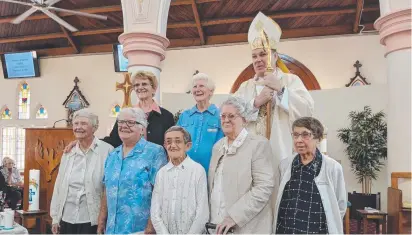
point(279, 15)
point(189, 2)
point(61, 35)
point(290, 14)
point(287, 33)
point(41, 16)
point(198, 24)
point(211, 40)
point(70, 39)
point(359, 8)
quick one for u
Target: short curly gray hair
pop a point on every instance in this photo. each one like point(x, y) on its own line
point(205, 77)
point(238, 103)
point(87, 113)
point(137, 113)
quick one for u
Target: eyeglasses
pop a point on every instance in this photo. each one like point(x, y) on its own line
point(176, 142)
point(143, 84)
point(128, 123)
point(231, 117)
point(305, 135)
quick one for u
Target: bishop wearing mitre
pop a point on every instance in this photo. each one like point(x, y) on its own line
point(276, 97)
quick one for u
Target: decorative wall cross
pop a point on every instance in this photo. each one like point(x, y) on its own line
point(358, 80)
point(127, 88)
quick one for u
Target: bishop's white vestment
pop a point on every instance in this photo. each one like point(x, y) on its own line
point(295, 102)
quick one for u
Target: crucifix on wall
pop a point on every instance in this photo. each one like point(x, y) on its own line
point(127, 88)
point(358, 80)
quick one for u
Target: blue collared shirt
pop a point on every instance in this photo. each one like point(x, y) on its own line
point(205, 130)
point(129, 183)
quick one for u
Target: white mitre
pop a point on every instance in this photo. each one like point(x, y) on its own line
point(263, 23)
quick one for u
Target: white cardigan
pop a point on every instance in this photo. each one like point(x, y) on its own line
point(93, 181)
point(180, 201)
point(331, 186)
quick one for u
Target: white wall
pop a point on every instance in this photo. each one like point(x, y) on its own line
point(330, 60)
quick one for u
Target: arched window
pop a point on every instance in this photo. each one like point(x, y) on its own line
point(24, 100)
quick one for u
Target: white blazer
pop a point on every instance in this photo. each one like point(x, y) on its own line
point(93, 181)
point(331, 186)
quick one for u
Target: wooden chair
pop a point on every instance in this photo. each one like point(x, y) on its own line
point(347, 219)
point(361, 200)
point(399, 218)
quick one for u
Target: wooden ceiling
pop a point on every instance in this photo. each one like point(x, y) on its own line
point(190, 23)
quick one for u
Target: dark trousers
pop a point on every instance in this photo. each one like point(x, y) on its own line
point(86, 228)
point(13, 196)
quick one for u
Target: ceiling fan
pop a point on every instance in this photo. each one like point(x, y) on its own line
point(45, 6)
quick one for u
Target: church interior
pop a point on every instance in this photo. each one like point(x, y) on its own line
point(352, 56)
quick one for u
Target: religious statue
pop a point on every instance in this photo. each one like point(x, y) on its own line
point(275, 96)
point(74, 101)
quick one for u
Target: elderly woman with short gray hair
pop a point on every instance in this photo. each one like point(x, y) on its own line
point(312, 197)
point(77, 191)
point(129, 177)
point(180, 199)
point(240, 175)
point(202, 120)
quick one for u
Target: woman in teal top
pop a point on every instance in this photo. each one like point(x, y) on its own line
point(202, 121)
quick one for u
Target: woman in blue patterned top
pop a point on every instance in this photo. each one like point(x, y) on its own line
point(202, 121)
point(312, 197)
point(129, 177)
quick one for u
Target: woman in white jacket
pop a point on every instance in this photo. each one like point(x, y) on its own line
point(77, 191)
point(311, 195)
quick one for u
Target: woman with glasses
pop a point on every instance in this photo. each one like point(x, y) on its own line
point(180, 200)
point(129, 177)
point(11, 173)
point(14, 182)
point(240, 175)
point(312, 197)
point(145, 85)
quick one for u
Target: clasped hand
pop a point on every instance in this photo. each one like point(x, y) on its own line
point(271, 84)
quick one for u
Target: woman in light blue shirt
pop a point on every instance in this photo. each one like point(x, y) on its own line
point(202, 121)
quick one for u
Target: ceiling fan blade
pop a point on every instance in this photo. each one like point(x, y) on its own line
point(59, 20)
point(51, 2)
point(18, 2)
point(23, 16)
point(100, 17)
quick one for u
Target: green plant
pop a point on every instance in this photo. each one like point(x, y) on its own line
point(177, 115)
point(366, 144)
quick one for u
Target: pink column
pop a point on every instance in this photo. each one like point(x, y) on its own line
point(395, 34)
point(145, 51)
point(144, 39)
